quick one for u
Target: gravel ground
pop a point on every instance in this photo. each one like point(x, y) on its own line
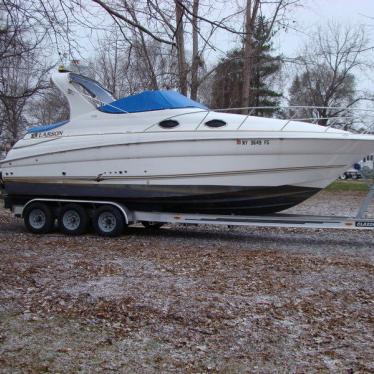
point(190, 299)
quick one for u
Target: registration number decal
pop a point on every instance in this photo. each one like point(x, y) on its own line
point(252, 141)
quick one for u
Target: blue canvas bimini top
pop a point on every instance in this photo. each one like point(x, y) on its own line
point(150, 100)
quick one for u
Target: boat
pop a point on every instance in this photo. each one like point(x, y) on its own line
point(160, 151)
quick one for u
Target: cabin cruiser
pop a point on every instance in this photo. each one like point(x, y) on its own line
point(160, 151)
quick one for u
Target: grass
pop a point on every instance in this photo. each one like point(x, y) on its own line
point(348, 185)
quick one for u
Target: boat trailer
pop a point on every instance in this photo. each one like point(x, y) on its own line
point(156, 219)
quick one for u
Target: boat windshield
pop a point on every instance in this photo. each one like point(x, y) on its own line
point(92, 88)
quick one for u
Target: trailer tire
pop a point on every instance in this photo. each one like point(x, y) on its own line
point(108, 221)
point(73, 220)
point(152, 225)
point(38, 218)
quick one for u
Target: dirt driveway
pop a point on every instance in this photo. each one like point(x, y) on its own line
point(189, 299)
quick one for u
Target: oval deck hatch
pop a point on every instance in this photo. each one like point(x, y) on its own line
point(168, 124)
point(215, 123)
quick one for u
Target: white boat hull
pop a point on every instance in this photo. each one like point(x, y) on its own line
point(250, 175)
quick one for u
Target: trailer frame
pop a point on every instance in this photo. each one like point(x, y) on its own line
point(359, 222)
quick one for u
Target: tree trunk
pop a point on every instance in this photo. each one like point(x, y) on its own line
point(114, 72)
point(250, 17)
point(182, 69)
point(195, 51)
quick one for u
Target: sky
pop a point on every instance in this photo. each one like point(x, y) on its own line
point(315, 13)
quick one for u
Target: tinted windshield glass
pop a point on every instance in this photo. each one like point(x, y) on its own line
point(93, 88)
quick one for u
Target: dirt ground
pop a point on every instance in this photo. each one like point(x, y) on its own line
point(190, 299)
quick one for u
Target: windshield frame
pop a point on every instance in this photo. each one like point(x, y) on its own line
point(94, 88)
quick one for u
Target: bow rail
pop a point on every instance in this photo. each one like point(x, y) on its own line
point(343, 117)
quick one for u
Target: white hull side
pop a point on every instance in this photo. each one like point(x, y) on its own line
point(286, 161)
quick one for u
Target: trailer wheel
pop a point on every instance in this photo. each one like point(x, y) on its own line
point(108, 221)
point(152, 225)
point(73, 220)
point(38, 218)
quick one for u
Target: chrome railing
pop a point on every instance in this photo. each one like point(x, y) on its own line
point(349, 118)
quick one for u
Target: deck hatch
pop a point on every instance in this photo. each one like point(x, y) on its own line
point(215, 123)
point(168, 124)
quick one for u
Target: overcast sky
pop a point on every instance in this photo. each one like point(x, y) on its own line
point(318, 12)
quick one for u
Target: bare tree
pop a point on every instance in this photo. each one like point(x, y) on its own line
point(19, 81)
point(326, 70)
point(48, 106)
point(22, 66)
point(195, 50)
point(179, 33)
point(15, 23)
point(121, 66)
point(164, 22)
point(112, 61)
